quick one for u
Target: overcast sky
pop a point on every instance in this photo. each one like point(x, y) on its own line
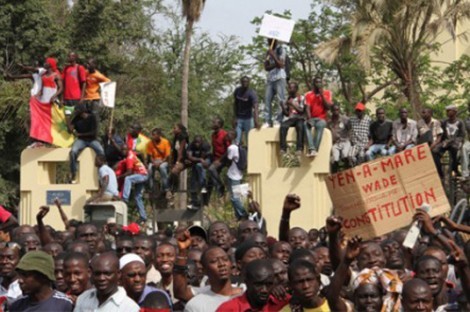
point(233, 17)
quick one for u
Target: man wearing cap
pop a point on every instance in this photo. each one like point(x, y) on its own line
point(133, 273)
point(198, 237)
point(360, 125)
point(404, 133)
point(452, 139)
point(35, 276)
point(107, 295)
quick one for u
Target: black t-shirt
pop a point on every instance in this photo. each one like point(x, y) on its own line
point(199, 152)
point(57, 302)
point(244, 102)
point(86, 125)
point(380, 132)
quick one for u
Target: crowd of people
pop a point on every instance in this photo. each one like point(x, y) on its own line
point(120, 268)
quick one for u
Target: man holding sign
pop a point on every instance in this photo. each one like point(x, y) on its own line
point(275, 29)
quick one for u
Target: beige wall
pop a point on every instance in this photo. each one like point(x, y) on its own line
point(271, 183)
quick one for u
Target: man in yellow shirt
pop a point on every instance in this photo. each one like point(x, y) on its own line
point(91, 88)
point(158, 153)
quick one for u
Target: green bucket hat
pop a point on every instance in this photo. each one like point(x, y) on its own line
point(38, 261)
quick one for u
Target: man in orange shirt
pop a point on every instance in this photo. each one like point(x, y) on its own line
point(158, 153)
point(91, 87)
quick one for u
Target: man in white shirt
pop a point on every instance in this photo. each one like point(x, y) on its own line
point(106, 296)
point(9, 258)
point(108, 182)
point(234, 175)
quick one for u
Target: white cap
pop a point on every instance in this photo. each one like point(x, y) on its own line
point(111, 220)
point(128, 258)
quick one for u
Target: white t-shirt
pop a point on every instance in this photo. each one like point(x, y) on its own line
point(37, 81)
point(112, 188)
point(233, 172)
point(206, 301)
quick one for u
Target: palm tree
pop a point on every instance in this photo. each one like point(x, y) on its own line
point(192, 10)
point(400, 34)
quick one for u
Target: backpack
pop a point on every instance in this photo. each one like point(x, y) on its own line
point(286, 62)
point(242, 162)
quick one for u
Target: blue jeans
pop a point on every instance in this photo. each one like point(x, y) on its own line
point(77, 147)
point(314, 141)
point(244, 125)
point(197, 182)
point(393, 149)
point(138, 180)
point(214, 172)
point(237, 204)
point(273, 88)
point(163, 170)
point(375, 149)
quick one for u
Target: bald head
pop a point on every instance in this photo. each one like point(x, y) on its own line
point(417, 296)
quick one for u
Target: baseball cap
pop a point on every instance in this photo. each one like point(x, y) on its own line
point(196, 230)
point(360, 106)
point(38, 261)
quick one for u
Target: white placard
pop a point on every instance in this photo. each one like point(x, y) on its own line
point(108, 93)
point(241, 190)
point(276, 28)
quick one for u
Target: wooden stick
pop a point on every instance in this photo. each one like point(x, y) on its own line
point(111, 122)
point(271, 47)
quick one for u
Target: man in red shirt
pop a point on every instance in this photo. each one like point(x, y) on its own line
point(219, 149)
point(318, 103)
point(135, 174)
point(74, 79)
point(259, 279)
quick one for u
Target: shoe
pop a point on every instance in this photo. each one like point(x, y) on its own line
point(265, 125)
point(203, 190)
point(277, 124)
point(142, 222)
point(312, 153)
point(169, 195)
point(192, 207)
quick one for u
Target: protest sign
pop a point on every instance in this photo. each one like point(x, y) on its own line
point(381, 196)
point(276, 28)
point(108, 93)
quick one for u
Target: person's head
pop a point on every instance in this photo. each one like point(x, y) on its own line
point(304, 254)
point(195, 255)
point(79, 247)
point(231, 135)
point(368, 297)
point(100, 160)
point(426, 113)
point(133, 275)
point(246, 229)
point(50, 64)
point(293, 88)
point(261, 241)
point(245, 82)
point(323, 260)
point(91, 65)
point(105, 273)
point(217, 265)
point(198, 237)
point(72, 58)
point(179, 128)
point(281, 250)
point(304, 280)
point(53, 249)
point(393, 254)
point(10, 254)
point(35, 272)
point(197, 141)
point(77, 272)
point(371, 255)
point(157, 300)
point(60, 283)
point(259, 280)
point(335, 112)
point(30, 242)
point(157, 134)
point(165, 256)
point(403, 114)
point(280, 272)
point(298, 238)
point(451, 111)
point(429, 269)
point(359, 110)
point(417, 296)
point(380, 113)
point(144, 247)
point(135, 129)
point(88, 233)
point(219, 235)
point(247, 252)
point(217, 123)
point(317, 83)
point(124, 245)
point(440, 255)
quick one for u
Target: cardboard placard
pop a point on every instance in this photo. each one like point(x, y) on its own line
point(276, 28)
point(381, 196)
point(108, 93)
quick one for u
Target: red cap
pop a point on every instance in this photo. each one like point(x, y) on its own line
point(360, 106)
